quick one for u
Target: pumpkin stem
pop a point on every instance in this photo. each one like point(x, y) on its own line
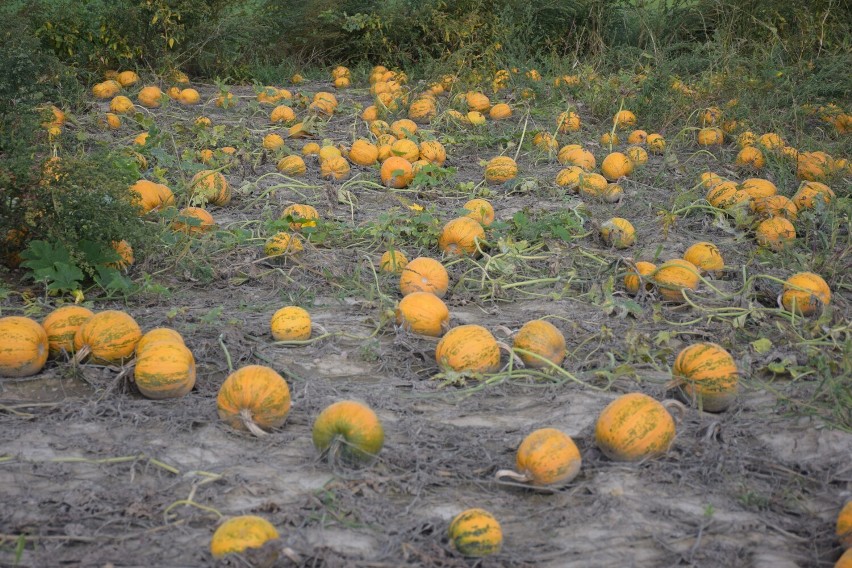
point(248, 421)
point(513, 357)
point(81, 354)
point(513, 475)
point(678, 407)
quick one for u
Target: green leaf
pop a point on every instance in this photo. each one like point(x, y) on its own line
point(53, 265)
point(762, 345)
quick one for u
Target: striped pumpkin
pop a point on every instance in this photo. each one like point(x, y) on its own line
point(61, 325)
point(500, 169)
point(460, 236)
point(109, 337)
point(468, 348)
point(547, 456)
point(23, 348)
point(291, 323)
point(641, 273)
point(476, 533)
point(349, 431)
point(542, 338)
point(708, 376)
point(156, 335)
point(423, 313)
point(804, 293)
point(674, 276)
point(254, 398)
point(705, 256)
point(634, 427)
point(239, 533)
point(164, 369)
point(211, 186)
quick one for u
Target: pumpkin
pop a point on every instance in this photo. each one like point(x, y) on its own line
point(406, 148)
point(24, 348)
point(775, 233)
point(106, 90)
point(500, 111)
point(291, 323)
point(844, 526)
point(272, 141)
point(570, 177)
point(845, 560)
point(500, 169)
point(226, 100)
point(158, 335)
point(150, 97)
point(469, 348)
point(775, 205)
point(591, 184)
point(371, 113)
point(541, 338)
point(127, 78)
point(421, 110)
point(722, 194)
point(254, 398)
point(203, 121)
point(673, 277)
point(283, 243)
point(424, 274)
point(109, 337)
point(809, 191)
point(152, 196)
point(282, 114)
point(568, 121)
point(113, 121)
point(577, 156)
point(641, 272)
point(379, 127)
point(403, 128)
point(460, 236)
point(609, 139)
point(750, 157)
point(612, 193)
point(239, 533)
point(747, 138)
point(433, 151)
point(61, 325)
point(292, 165)
point(711, 116)
point(804, 292)
point(193, 221)
point(707, 375)
point(770, 141)
point(396, 172)
point(637, 137)
point(656, 143)
point(141, 139)
point(616, 165)
point(298, 130)
point(335, 168)
point(475, 118)
point(393, 261)
point(710, 137)
point(476, 533)
point(121, 105)
point(618, 233)
point(624, 119)
point(423, 313)
point(481, 211)
point(363, 153)
point(637, 155)
point(349, 431)
point(545, 141)
point(758, 188)
point(705, 256)
point(188, 97)
point(125, 254)
point(301, 215)
point(164, 369)
point(546, 457)
point(211, 186)
point(477, 101)
point(634, 427)
point(813, 166)
point(311, 149)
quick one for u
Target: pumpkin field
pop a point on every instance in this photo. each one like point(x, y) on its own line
point(477, 312)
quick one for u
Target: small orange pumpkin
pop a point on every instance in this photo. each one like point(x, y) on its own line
point(656, 143)
point(468, 348)
point(634, 427)
point(335, 168)
point(24, 347)
point(500, 169)
point(239, 533)
point(775, 205)
point(349, 431)
point(673, 277)
point(618, 233)
point(393, 261)
point(710, 136)
point(541, 338)
point(292, 166)
point(750, 157)
point(291, 323)
point(283, 244)
point(302, 216)
point(61, 325)
point(705, 256)
point(804, 293)
point(363, 153)
point(164, 369)
point(110, 337)
point(423, 313)
point(476, 533)
point(150, 96)
point(546, 457)
point(193, 221)
point(634, 278)
point(433, 151)
point(616, 165)
point(254, 398)
point(775, 233)
point(624, 119)
point(424, 274)
point(211, 186)
point(460, 236)
point(708, 376)
point(809, 191)
point(481, 211)
point(568, 121)
point(396, 172)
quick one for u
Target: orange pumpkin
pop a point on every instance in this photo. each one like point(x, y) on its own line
point(500, 111)
point(642, 272)
point(363, 153)
point(150, 96)
point(845, 560)
point(624, 119)
point(468, 348)
point(109, 337)
point(348, 431)
point(301, 216)
point(189, 97)
point(193, 221)
point(393, 261)
point(775, 233)
point(656, 143)
point(433, 151)
point(844, 526)
point(705, 256)
point(750, 157)
point(546, 457)
point(254, 398)
point(335, 168)
point(24, 347)
point(461, 236)
point(476, 533)
point(291, 323)
point(708, 376)
point(477, 101)
point(543, 339)
point(211, 186)
point(106, 89)
point(403, 128)
point(121, 105)
point(634, 427)
point(809, 191)
point(396, 172)
point(424, 274)
point(775, 205)
point(618, 233)
point(637, 155)
point(500, 169)
point(164, 369)
point(481, 211)
point(577, 156)
point(673, 277)
point(157, 335)
point(61, 325)
point(568, 121)
point(637, 137)
point(239, 533)
point(283, 244)
point(804, 293)
point(423, 313)
point(292, 166)
point(758, 188)
point(282, 114)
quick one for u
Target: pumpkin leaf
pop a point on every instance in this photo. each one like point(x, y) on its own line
point(762, 345)
point(54, 265)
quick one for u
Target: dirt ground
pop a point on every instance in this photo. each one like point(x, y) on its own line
point(93, 474)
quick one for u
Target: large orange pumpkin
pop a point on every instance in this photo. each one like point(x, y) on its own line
point(23, 347)
point(468, 348)
point(348, 431)
point(804, 293)
point(396, 172)
point(500, 169)
point(164, 369)
point(675, 276)
point(291, 323)
point(460, 236)
point(423, 313)
point(211, 186)
point(634, 427)
point(239, 533)
point(157, 335)
point(424, 274)
point(476, 533)
point(254, 398)
point(110, 337)
point(708, 376)
point(776, 233)
point(61, 325)
point(543, 339)
point(546, 457)
point(618, 232)
point(705, 256)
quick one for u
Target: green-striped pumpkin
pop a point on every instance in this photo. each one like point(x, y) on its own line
point(476, 533)
point(23, 347)
point(165, 369)
point(634, 427)
point(468, 348)
point(110, 337)
point(708, 376)
point(239, 533)
point(254, 398)
point(354, 425)
point(61, 325)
